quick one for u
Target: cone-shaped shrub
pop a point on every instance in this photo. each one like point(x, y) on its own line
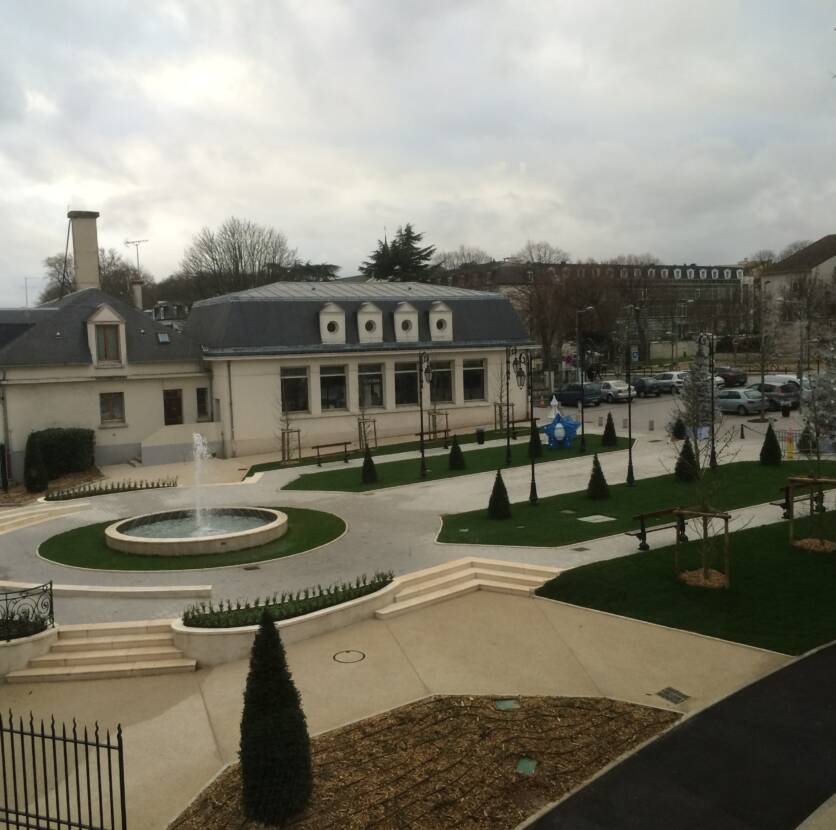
point(686, 464)
point(456, 457)
point(275, 750)
point(805, 441)
point(535, 443)
point(678, 430)
point(499, 507)
point(597, 487)
point(609, 439)
point(35, 475)
point(771, 449)
point(369, 470)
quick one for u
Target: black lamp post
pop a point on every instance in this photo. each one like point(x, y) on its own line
point(631, 478)
point(425, 372)
point(508, 350)
point(523, 373)
point(581, 352)
point(712, 459)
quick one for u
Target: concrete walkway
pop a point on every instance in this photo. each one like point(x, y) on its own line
point(762, 759)
point(180, 730)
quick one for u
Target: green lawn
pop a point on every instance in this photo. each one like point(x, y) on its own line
point(387, 449)
point(408, 472)
point(781, 598)
point(84, 547)
point(732, 486)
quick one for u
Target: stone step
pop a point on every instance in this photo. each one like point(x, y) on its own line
point(546, 571)
point(116, 642)
point(464, 575)
point(102, 656)
point(102, 671)
point(115, 629)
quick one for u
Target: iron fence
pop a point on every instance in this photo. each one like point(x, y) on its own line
point(53, 780)
point(26, 612)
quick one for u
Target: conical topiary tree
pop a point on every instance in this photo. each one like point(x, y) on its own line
point(678, 432)
point(275, 751)
point(35, 475)
point(535, 443)
point(686, 465)
point(597, 487)
point(771, 449)
point(609, 438)
point(805, 441)
point(369, 475)
point(456, 457)
point(499, 507)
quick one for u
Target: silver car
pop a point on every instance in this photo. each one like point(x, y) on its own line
point(739, 401)
point(616, 390)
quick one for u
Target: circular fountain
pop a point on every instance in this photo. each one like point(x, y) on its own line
point(199, 529)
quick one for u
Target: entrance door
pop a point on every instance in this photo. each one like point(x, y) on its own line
point(173, 406)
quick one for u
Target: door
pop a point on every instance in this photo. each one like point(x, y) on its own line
point(173, 406)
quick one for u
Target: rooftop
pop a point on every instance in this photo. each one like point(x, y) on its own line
point(807, 258)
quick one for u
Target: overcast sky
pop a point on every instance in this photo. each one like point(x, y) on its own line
point(699, 131)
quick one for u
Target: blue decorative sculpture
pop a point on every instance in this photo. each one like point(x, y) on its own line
point(561, 431)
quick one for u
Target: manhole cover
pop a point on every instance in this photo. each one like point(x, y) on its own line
point(580, 550)
point(569, 512)
point(673, 695)
point(596, 518)
point(349, 656)
point(464, 530)
point(655, 441)
point(252, 567)
point(506, 704)
point(526, 766)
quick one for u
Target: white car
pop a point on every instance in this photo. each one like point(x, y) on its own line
point(616, 390)
point(671, 381)
point(719, 383)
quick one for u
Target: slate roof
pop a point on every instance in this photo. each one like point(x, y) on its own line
point(58, 334)
point(283, 318)
point(807, 258)
point(15, 321)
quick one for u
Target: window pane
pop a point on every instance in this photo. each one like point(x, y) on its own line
point(332, 387)
point(172, 406)
point(370, 382)
point(406, 384)
point(473, 380)
point(294, 381)
point(202, 402)
point(112, 407)
point(107, 343)
point(441, 386)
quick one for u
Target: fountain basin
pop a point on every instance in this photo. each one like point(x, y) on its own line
point(177, 532)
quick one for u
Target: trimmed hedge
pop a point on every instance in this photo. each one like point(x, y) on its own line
point(104, 488)
point(35, 475)
point(62, 449)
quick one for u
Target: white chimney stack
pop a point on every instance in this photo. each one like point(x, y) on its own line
point(85, 248)
point(136, 290)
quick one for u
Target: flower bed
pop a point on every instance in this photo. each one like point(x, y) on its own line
point(104, 488)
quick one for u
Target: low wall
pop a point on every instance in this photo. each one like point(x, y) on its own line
point(16, 654)
point(215, 646)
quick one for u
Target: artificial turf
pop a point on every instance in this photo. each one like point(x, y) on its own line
point(731, 486)
point(84, 547)
point(781, 597)
point(396, 473)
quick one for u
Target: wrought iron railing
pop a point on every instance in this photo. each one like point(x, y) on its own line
point(26, 612)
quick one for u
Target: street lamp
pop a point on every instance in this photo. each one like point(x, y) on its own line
point(581, 351)
point(631, 478)
point(763, 285)
point(712, 460)
point(523, 374)
point(508, 350)
point(425, 372)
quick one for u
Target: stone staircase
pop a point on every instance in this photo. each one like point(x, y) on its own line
point(462, 576)
point(35, 513)
point(106, 651)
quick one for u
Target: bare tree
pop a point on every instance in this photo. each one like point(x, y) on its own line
point(461, 256)
point(794, 248)
point(115, 274)
point(542, 253)
point(634, 259)
point(762, 256)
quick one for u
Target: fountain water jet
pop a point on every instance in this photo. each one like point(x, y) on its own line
point(200, 454)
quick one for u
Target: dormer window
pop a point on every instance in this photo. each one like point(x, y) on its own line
point(106, 338)
point(406, 323)
point(107, 344)
point(332, 323)
point(369, 323)
point(441, 321)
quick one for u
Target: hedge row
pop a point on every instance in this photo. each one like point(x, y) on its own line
point(51, 453)
point(104, 488)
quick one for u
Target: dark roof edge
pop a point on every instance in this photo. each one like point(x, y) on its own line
point(359, 348)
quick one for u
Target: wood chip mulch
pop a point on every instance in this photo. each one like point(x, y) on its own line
point(19, 496)
point(448, 762)
point(817, 545)
point(716, 579)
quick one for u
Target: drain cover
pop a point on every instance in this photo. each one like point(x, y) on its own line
point(673, 695)
point(349, 656)
point(526, 766)
point(252, 567)
point(655, 441)
point(507, 704)
point(569, 512)
point(580, 550)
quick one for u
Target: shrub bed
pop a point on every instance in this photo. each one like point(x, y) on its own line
point(284, 606)
point(51, 453)
point(103, 488)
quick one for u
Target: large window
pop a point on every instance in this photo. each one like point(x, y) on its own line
point(370, 382)
point(406, 384)
point(172, 406)
point(332, 387)
point(441, 386)
point(107, 344)
point(294, 389)
point(203, 404)
point(473, 377)
point(112, 407)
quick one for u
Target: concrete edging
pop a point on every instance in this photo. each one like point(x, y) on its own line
point(16, 654)
point(104, 591)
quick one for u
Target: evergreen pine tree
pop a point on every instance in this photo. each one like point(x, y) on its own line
point(678, 431)
point(597, 487)
point(275, 751)
point(35, 475)
point(609, 439)
point(456, 457)
point(369, 475)
point(686, 464)
point(771, 449)
point(499, 507)
point(535, 443)
point(805, 441)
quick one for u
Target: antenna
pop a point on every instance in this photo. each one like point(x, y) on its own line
point(136, 243)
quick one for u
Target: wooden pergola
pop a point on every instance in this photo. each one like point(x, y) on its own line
point(815, 485)
point(683, 514)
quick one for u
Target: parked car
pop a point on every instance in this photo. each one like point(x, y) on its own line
point(570, 394)
point(732, 377)
point(719, 383)
point(779, 394)
point(646, 386)
point(741, 401)
point(805, 386)
point(670, 381)
point(616, 390)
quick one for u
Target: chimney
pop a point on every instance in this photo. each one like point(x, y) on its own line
point(136, 290)
point(85, 248)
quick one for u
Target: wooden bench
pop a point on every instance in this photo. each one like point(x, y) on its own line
point(445, 439)
point(641, 533)
point(344, 444)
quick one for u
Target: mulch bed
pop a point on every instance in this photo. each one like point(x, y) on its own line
point(818, 545)
point(449, 762)
point(18, 495)
point(696, 578)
